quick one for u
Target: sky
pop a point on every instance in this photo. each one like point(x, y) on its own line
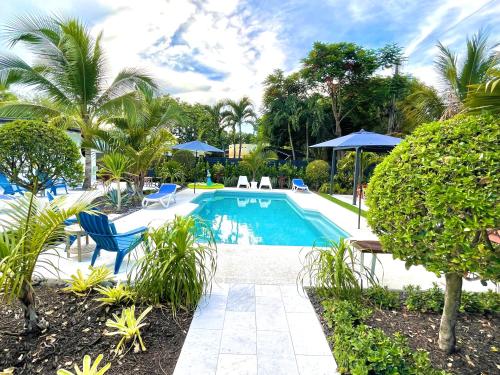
point(204, 51)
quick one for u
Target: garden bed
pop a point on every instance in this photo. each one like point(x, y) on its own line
point(477, 336)
point(76, 329)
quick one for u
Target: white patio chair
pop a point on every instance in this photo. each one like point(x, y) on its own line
point(243, 181)
point(265, 181)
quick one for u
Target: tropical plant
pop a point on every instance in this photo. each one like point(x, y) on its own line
point(218, 114)
point(460, 79)
point(240, 113)
point(257, 159)
point(35, 153)
point(81, 285)
point(448, 203)
point(178, 264)
point(88, 368)
point(28, 229)
point(317, 173)
point(332, 269)
point(172, 170)
point(382, 297)
point(69, 71)
point(337, 69)
point(486, 96)
point(142, 136)
point(129, 328)
point(118, 295)
point(114, 168)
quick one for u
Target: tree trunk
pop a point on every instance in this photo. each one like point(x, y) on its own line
point(31, 320)
point(291, 139)
point(307, 141)
point(239, 152)
point(392, 109)
point(452, 298)
point(118, 195)
point(87, 182)
point(336, 115)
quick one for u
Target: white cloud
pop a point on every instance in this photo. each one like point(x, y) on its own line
point(213, 37)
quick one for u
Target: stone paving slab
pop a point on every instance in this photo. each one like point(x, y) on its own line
point(247, 329)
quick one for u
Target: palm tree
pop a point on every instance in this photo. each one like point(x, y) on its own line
point(486, 97)
point(115, 165)
point(458, 79)
point(240, 112)
point(69, 72)
point(142, 135)
point(219, 117)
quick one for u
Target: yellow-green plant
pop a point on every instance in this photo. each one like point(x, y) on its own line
point(129, 328)
point(80, 285)
point(28, 228)
point(117, 295)
point(88, 367)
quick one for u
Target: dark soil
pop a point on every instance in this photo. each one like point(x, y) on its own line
point(76, 326)
point(477, 337)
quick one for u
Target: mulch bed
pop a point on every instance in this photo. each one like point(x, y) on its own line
point(477, 337)
point(128, 206)
point(76, 326)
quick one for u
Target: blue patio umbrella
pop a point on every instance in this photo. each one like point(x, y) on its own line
point(196, 146)
point(359, 141)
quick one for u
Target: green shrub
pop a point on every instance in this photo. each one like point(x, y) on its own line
point(424, 300)
point(325, 188)
point(317, 173)
point(35, 151)
point(185, 158)
point(344, 178)
point(433, 199)
point(471, 303)
point(490, 301)
point(177, 267)
point(332, 270)
point(383, 297)
point(171, 171)
point(360, 349)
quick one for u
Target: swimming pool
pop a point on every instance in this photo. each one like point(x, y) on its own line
point(250, 218)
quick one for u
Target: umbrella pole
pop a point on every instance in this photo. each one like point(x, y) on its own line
point(195, 171)
point(356, 174)
point(360, 190)
point(333, 170)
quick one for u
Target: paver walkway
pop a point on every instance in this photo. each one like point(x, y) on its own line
point(255, 329)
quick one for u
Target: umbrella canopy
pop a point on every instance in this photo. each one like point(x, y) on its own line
point(196, 146)
point(368, 141)
point(359, 141)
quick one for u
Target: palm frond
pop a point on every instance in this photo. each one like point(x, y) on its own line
point(27, 110)
point(446, 65)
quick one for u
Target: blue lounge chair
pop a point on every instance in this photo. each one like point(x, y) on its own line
point(9, 188)
point(105, 236)
point(298, 185)
point(164, 196)
point(60, 183)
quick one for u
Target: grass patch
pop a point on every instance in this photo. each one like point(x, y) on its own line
point(341, 203)
point(204, 186)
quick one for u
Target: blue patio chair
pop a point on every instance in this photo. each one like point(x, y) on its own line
point(8, 187)
point(105, 236)
point(164, 196)
point(59, 183)
point(298, 185)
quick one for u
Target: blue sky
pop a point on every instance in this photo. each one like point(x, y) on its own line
point(214, 49)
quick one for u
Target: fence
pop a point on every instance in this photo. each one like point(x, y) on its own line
point(275, 163)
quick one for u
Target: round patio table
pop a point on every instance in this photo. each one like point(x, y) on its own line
point(78, 231)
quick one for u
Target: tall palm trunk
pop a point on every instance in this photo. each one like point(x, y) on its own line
point(291, 139)
point(239, 129)
point(87, 182)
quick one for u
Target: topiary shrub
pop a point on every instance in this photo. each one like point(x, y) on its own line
point(33, 152)
point(433, 200)
point(317, 173)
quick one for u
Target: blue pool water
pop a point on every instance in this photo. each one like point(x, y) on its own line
point(248, 218)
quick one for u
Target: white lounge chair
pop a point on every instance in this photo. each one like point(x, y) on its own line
point(265, 181)
point(164, 196)
point(243, 181)
point(298, 184)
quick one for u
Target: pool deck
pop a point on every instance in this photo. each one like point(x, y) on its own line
point(255, 321)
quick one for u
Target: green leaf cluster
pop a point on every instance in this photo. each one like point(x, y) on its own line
point(88, 368)
point(361, 350)
point(434, 198)
point(81, 285)
point(34, 153)
point(317, 173)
